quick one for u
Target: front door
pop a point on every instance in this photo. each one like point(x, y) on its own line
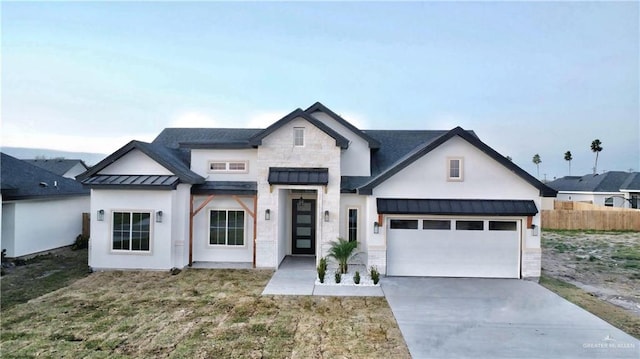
point(303, 232)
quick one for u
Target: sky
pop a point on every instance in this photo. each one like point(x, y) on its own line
point(527, 77)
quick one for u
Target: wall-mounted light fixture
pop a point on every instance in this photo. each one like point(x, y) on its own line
point(101, 215)
point(535, 229)
point(326, 216)
point(376, 227)
point(159, 216)
point(267, 214)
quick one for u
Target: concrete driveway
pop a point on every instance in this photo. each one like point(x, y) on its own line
point(498, 318)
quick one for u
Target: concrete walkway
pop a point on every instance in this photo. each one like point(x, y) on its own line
point(498, 318)
point(297, 276)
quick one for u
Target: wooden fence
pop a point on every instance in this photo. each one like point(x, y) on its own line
point(575, 215)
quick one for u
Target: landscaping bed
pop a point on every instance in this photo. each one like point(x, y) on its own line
point(197, 313)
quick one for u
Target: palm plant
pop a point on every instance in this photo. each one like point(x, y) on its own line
point(568, 158)
point(596, 146)
point(537, 160)
point(342, 250)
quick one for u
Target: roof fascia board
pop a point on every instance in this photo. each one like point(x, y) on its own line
point(545, 191)
point(373, 143)
point(587, 192)
point(341, 141)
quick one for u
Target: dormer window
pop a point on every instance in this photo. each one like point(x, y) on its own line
point(298, 136)
point(454, 169)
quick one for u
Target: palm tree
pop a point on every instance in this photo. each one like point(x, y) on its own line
point(342, 250)
point(596, 146)
point(568, 158)
point(537, 160)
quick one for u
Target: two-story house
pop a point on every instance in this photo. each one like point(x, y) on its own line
point(418, 202)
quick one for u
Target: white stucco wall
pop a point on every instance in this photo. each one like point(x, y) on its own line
point(356, 160)
point(202, 250)
point(277, 150)
point(100, 246)
point(75, 170)
point(135, 163)
point(32, 226)
point(200, 163)
point(180, 225)
point(596, 198)
point(484, 178)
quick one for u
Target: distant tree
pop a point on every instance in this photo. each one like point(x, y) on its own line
point(568, 158)
point(596, 146)
point(537, 160)
point(509, 158)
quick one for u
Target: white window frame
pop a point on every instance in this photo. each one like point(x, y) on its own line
point(226, 236)
point(348, 232)
point(298, 134)
point(131, 212)
point(227, 166)
point(460, 176)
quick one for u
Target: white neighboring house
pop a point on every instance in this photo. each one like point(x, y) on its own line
point(611, 189)
point(419, 203)
point(40, 210)
point(68, 168)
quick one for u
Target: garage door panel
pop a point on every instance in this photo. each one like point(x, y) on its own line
point(453, 253)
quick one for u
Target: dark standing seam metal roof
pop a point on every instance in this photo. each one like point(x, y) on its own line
point(21, 180)
point(457, 207)
point(168, 158)
point(306, 176)
point(226, 187)
point(256, 140)
point(373, 143)
point(58, 166)
point(612, 181)
point(132, 181)
point(473, 140)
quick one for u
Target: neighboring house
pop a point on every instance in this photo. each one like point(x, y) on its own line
point(612, 189)
point(419, 203)
point(40, 210)
point(61, 166)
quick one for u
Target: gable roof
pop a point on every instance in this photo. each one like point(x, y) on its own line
point(341, 141)
point(59, 166)
point(167, 157)
point(471, 139)
point(22, 180)
point(612, 181)
point(373, 143)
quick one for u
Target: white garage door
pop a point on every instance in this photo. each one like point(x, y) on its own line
point(440, 247)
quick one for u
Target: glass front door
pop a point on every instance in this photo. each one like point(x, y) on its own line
point(303, 232)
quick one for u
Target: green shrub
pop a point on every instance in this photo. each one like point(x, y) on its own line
point(338, 276)
point(375, 275)
point(322, 269)
point(342, 250)
point(356, 278)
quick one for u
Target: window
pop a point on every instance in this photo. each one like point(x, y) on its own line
point(228, 166)
point(635, 201)
point(298, 136)
point(226, 228)
point(131, 231)
point(469, 225)
point(403, 224)
point(436, 224)
point(352, 225)
point(502, 226)
point(454, 169)
point(608, 202)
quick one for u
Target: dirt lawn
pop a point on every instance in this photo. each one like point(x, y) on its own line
point(196, 314)
point(604, 264)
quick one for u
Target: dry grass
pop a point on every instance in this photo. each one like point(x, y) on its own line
point(196, 314)
point(616, 316)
